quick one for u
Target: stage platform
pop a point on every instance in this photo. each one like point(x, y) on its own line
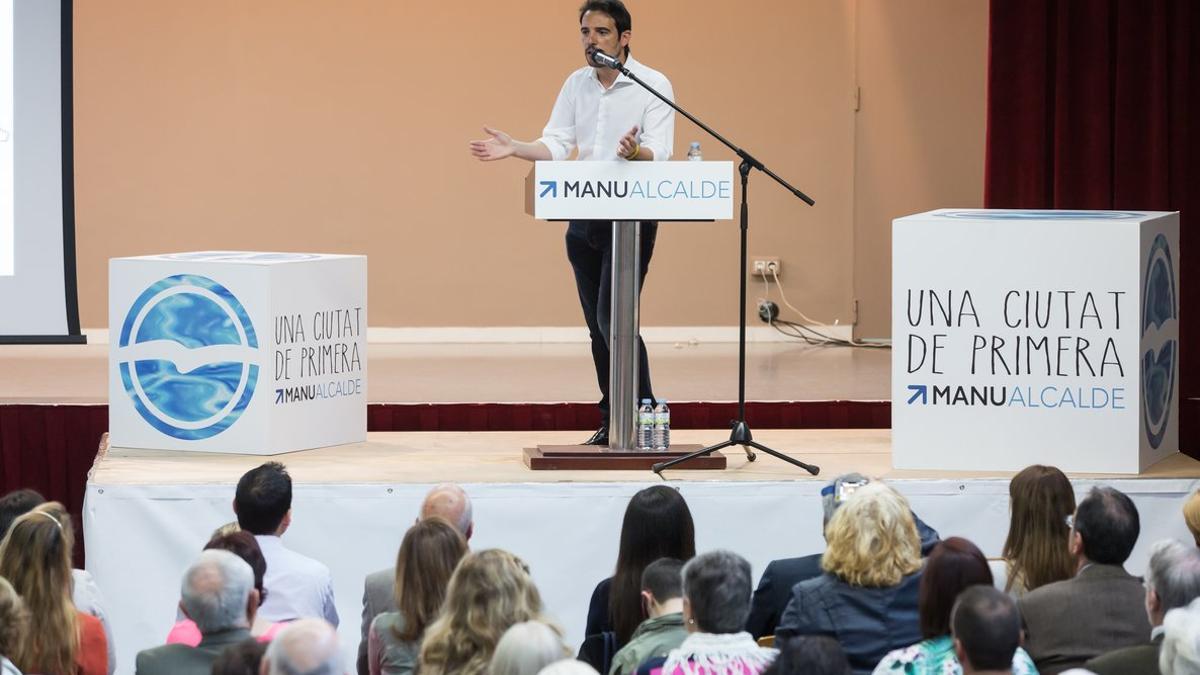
point(147, 513)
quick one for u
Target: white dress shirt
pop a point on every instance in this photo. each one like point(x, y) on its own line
point(589, 117)
point(297, 586)
point(87, 598)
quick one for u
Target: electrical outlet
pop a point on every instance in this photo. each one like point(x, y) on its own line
point(766, 267)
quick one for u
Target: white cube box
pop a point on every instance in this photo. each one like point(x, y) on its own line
point(237, 352)
point(1035, 337)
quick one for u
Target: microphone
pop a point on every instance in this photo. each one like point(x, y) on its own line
point(603, 59)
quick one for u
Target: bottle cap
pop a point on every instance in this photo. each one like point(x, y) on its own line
point(695, 144)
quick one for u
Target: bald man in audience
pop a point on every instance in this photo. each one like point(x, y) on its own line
point(304, 647)
point(446, 501)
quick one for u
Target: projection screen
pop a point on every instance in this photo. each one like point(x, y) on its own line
point(38, 295)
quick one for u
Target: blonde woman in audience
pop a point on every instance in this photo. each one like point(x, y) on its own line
point(526, 648)
point(428, 555)
point(35, 557)
point(13, 621)
point(1191, 515)
point(867, 598)
point(1036, 551)
point(490, 591)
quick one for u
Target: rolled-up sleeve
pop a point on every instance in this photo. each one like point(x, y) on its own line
point(658, 124)
point(559, 134)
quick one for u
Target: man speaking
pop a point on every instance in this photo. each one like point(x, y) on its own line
point(607, 117)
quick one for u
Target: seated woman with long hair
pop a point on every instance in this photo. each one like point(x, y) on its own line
point(657, 524)
point(35, 557)
point(867, 597)
point(428, 555)
point(954, 566)
point(489, 592)
point(1036, 551)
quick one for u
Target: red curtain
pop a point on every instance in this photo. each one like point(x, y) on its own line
point(1095, 104)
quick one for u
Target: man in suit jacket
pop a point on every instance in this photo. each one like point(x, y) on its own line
point(446, 501)
point(218, 594)
point(1172, 580)
point(1100, 608)
point(775, 588)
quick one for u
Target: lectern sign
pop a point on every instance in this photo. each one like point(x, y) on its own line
point(230, 351)
point(1024, 337)
point(632, 190)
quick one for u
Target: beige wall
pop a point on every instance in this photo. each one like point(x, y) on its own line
point(342, 127)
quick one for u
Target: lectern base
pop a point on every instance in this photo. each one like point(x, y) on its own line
point(592, 457)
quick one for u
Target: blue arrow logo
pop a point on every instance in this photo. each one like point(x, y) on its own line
point(550, 186)
point(918, 390)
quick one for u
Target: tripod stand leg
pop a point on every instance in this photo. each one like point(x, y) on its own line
point(811, 468)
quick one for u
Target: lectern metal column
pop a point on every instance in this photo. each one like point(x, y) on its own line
point(622, 336)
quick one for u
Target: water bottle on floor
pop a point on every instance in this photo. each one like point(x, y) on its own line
point(645, 429)
point(662, 426)
point(694, 152)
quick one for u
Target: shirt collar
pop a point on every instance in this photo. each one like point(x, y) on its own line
point(629, 62)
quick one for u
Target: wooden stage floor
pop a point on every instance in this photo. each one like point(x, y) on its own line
point(496, 457)
point(512, 373)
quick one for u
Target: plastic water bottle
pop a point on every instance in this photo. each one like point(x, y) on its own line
point(662, 426)
point(645, 430)
point(694, 152)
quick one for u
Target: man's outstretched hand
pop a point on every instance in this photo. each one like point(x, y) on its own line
point(499, 146)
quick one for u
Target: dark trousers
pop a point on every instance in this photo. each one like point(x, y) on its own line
point(589, 248)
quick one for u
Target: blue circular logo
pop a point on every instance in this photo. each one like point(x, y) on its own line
point(1158, 360)
point(188, 357)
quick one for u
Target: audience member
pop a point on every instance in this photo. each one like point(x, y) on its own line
point(446, 501)
point(1172, 581)
point(243, 658)
point(1100, 608)
point(955, 565)
point(987, 630)
point(35, 557)
point(428, 555)
point(13, 623)
point(568, 667)
point(657, 524)
point(218, 594)
point(867, 599)
point(663, 630)
point(810, 655)
point(84, 591)
point(1181, 641)
point(1035, 552)
point(304, 647)
point(1191, 515)
point(244, 546)
point(488, 592)
point(15, 504)
point(716, 600)
point(775, 588)
point(526, 648)
point(297, 586)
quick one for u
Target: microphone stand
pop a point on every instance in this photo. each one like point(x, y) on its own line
point(740, 434)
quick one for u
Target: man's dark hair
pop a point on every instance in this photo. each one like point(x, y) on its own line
point(613, 8)
point(810, 655)
point(985, 621)
point(263, 498)
point(1108, 522)
point(664, 579)
point(16, 504)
